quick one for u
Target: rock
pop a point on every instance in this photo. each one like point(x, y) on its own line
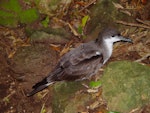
point(126, 86)
point(67, 98)
point(50, 36)
point(33, 63)
point(104, 14)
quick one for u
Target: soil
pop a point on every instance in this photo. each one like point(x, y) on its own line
point(21, 66)
point(29, 65)
point(18, 75)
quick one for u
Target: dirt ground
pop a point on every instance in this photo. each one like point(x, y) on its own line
point(29, 65)
point(22, 64)
point(18, 74)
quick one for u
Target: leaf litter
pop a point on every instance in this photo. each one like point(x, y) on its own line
point(12, 41)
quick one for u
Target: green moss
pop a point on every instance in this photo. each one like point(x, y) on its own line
point(28, 16)
point(11, 5)
point(126, 85)
point(11, 14)
point(63, 93)
point(7, 18)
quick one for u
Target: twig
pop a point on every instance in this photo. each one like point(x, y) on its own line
point(43, 108)
point(5, 98)
point(143, 22)
point(1, 43)
point(143, 58)
point(70, 26)
point(73, 30)
point(117, 5)
point(132, 24)
point(90, 3)
point(126, 12)
point(134, 110)
point(140, 35)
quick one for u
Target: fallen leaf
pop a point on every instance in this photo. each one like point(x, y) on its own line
point(66, 48)
point(84, 20)
point(95, 84)
point(55, 47)
point(11, 54)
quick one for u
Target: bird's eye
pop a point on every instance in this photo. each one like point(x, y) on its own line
point(119, 34)
point(113, 35)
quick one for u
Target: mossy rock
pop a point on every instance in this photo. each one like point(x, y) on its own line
point(12, 13)
point(126, 86)
point(68, 99)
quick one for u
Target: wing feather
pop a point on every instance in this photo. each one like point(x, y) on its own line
point(80, 62)
point(84, 52)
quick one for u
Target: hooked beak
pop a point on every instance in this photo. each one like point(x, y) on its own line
point(123, 39)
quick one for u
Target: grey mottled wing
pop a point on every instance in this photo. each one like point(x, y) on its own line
point(81, 53)
point(79, 62)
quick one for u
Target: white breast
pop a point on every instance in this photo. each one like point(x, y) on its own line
point(109, 47)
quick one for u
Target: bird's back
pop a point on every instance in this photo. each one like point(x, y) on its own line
point(80, 63)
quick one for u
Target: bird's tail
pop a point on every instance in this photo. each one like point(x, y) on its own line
point(40, 86)
point(52, 78)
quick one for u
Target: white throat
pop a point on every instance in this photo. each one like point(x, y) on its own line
point(109, 47)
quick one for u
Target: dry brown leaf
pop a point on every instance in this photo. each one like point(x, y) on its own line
point(94, 105)
point(55, 47)
point(66, 48)
point(11, 54)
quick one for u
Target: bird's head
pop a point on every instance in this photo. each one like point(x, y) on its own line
point(112, 35)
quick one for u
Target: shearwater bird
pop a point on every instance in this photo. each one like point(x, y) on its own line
point(84, 61)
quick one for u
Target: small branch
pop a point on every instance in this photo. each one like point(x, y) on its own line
point(126, 12)
point(8, 96)
point(70, 26)
point(43, 108)
point(135, 110)
point(73, 30)
point(90, 3)
point(143, 22)
point(143, 58)
point(132, 24)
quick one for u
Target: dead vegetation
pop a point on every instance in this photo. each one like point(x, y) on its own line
point(12, 39)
